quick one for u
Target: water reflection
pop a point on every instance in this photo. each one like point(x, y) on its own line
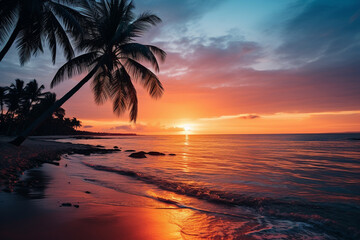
point(185, 166)
point(186, 142)
point(33, 184)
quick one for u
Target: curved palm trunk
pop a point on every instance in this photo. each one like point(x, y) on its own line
point(21, 138)
point(10, 42)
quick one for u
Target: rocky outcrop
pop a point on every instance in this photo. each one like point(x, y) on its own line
point(138, 155)
point(156, 153)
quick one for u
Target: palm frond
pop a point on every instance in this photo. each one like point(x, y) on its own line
point(75, 66)
point(8, 17)
point(139, 52)
point(62, 37)
point(147, 78)
point(72, 19)
point(158, 52)
point(131, 95)
point(51, 39)
point(143, 23)
point(100, 86)
point(29, 41)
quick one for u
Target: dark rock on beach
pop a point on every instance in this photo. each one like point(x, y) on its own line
point(76, 206)
point(172, 154)
point(130, 150)
point(116, 147)
point(138, 155)
point(66, 205)
point(156, 153)
point(88, 192)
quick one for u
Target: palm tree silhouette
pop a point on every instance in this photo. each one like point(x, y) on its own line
point(111, 59)
point(32, 21)
point(14, 97)
point(3, 92)
point(32, 94)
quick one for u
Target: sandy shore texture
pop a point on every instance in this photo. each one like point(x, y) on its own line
point(48, 202)
point(34, 152)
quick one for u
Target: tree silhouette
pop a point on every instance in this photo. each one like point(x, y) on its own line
point(111, 58)
point(33, 21)
point(25, 103)
point(3, 92)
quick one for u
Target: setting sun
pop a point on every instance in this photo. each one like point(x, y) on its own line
point(187, 129)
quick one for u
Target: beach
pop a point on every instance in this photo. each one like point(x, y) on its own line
point(38, 205)
point(199, 187)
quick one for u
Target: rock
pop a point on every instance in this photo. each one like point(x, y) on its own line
point(77, 206)
point(99, 146)
point(88, 192)
point(156, 153)
point(130, 150)
point(138, 155)
point(116, 147)
point(65, 165)
point(66, 205)
point(172, 154)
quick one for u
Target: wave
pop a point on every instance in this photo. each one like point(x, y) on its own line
point(320, 216)
point(215, 196)
point(166, 200)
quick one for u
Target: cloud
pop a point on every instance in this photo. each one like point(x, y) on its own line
point(322, 32)
point(88, 126)
point(237, 116)
point(250, 117)
point(146, 128)
point(176, 16)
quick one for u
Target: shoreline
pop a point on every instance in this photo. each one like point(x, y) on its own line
point(49, 202)
point(34, 152)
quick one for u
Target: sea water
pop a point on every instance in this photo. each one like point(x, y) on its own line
point(288, 186)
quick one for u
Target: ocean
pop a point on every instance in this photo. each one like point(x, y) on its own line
point(286, 186)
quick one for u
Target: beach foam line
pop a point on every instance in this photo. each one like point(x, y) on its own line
point(187, 189)
point(265, 207)
point(167, 201)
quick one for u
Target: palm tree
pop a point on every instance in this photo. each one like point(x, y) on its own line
point(75, 123)
point(32, 94)
point(31, 21)
point(3, 91)
point(14, 97)
point(111, 59)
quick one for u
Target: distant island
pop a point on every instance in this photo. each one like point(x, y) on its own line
point(87, 133)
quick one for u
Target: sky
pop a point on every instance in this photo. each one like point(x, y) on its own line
point(233, 67)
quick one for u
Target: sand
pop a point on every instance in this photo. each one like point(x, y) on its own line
point(36, 204)
point(32, 153)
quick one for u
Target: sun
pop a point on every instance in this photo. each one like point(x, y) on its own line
point(187, 128)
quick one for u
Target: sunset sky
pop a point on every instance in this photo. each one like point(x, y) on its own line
point(234, 66)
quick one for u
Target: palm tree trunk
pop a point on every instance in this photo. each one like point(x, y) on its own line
point(10, 42)
point(21, 138)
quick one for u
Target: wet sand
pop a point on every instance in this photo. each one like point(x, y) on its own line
point(34, 209)
point(32, 153)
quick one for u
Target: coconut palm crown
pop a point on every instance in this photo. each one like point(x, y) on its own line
point(30, 22)
point(111, 58)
